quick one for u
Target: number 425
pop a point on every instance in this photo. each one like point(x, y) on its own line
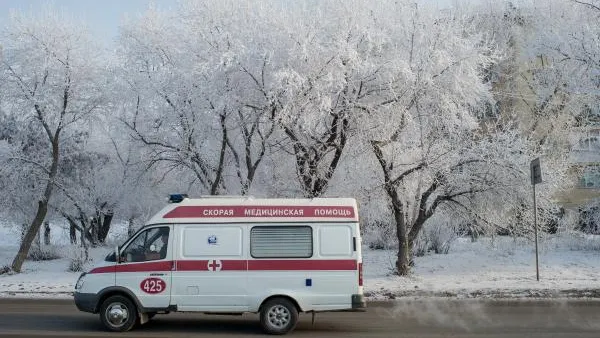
point(153, 286)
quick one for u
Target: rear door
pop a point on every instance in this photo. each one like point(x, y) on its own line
point(337, 244)
point(146, 265)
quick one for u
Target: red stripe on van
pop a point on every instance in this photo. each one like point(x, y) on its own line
point(234, 265)
point(281, 211)
point(104, 269)
point(304, 264)
point(135, 267)
point(203, 265)
point(145, 266)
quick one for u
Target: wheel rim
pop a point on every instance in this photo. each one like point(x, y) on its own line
point(279, 316)
point(116, 314)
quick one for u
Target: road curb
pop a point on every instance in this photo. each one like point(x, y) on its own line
point(387, 295)
point(486, 294)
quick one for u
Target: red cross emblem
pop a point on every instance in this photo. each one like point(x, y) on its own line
point(214, 265)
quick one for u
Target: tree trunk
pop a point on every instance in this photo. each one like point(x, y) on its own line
point(38, 239)
point(30, 235)
point(72, 232)
point(94, 225)
point(404, 247)
point(104, 227)
point(130, 227)
point(34, 228)
point(47, 233)
point(23, 231)
point(87, 233)
point(474, 231)
point(84, 234)
point(404, 255)
point(214, 189)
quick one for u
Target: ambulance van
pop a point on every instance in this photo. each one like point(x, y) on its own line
point(232, 255)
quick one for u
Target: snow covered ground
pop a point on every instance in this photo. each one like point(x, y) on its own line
point(501, 267)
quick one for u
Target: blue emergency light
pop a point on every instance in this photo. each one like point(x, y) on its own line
point(176, 198)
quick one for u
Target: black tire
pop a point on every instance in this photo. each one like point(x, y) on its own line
point(124, 314)
point(278, 316)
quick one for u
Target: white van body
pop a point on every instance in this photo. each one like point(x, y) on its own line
point(233, 255)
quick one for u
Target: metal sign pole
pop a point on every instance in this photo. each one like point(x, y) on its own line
point(536, 177)
point(537, 267)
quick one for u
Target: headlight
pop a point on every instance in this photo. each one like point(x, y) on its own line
point(80, 281)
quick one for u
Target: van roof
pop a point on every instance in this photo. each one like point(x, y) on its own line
point(230, 209)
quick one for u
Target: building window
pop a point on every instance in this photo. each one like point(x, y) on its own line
point(591, 177)
point(589, 144)
point(281, 242)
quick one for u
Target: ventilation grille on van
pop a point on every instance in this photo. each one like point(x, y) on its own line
point(281, 242)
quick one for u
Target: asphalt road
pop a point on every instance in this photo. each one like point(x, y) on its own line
point(407, 318)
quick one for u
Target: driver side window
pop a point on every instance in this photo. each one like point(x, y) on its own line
point(149, 245)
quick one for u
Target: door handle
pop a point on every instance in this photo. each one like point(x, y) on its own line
point(157, 274)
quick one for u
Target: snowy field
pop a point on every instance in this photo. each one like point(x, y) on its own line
point(501, 267)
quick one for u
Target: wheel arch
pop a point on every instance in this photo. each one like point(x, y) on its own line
point(117, 291)
point(288, 297)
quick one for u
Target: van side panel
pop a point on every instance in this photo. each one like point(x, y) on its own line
point(210, 268)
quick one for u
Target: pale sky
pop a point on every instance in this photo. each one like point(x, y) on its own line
point(103, 17)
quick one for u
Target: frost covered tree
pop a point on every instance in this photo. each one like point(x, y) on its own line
point(91, 183)
point(573, 40)
point(530, 94)
point(550, 88)
point(169, 114)
point(570, 40)
point(51, 79)
point(201, 105)
point(427, 139)
point(135, 191)
point(326, 78)
point(326, 68)
point(18, 185)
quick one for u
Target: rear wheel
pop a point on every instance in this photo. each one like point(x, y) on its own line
point(278, 316)
point(118, 313)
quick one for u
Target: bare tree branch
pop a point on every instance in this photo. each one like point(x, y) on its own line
point(591, 5)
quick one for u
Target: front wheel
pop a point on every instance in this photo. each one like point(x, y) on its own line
point(118, 313)
point(278, 316)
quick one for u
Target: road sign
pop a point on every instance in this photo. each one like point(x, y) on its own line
point(536, 171)
point(536, 177)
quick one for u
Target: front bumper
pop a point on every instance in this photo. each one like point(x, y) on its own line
point(86, 302)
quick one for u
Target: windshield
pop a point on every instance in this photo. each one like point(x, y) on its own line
point(146, 245)
point(111, 256)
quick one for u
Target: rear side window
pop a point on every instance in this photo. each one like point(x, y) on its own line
point(335, 240)
point(281, 242)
